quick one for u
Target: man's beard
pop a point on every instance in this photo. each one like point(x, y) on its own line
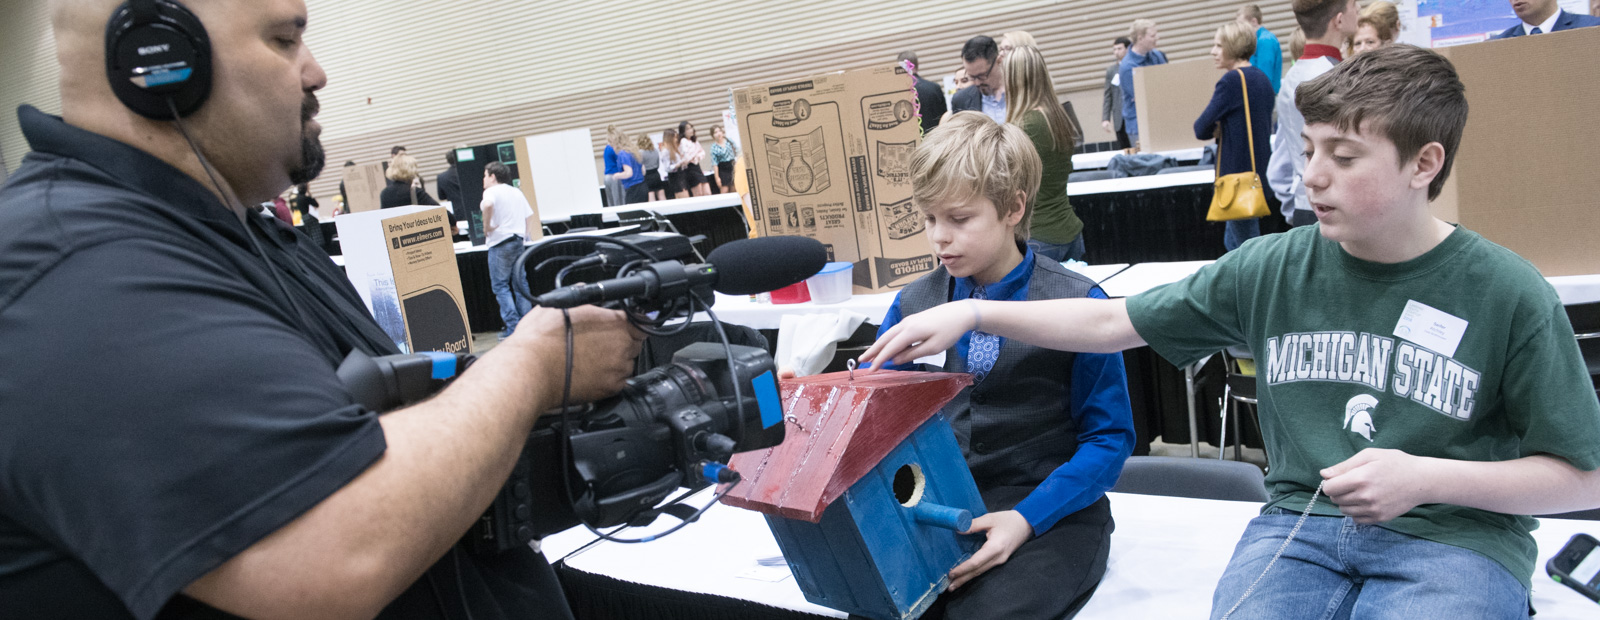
point(311, 156)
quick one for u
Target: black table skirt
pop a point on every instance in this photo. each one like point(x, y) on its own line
point(1166, 224)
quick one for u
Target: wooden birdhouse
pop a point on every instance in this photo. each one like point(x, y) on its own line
point(867, 493)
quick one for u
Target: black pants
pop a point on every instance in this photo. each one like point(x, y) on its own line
point(635, 194)
point(1122, 139)
point(1048, 578)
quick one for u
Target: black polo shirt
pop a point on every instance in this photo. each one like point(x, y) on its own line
point(164, 404)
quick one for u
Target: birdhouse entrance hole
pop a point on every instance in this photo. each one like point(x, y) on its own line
point(909, 484)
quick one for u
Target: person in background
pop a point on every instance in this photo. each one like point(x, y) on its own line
point(650, 158)
point(1225, 118)
point(1013, 40)
point(449, 185)
point(980, 56)
point(1143, 53)
point(1056, 232)
point(1327, 23)
point(405, 185)
point(930, 97)
point(723, 152)
point(961, 79)
point(670, 160)
point(344, 198)
point(304, 209)
point(396, 151)
point(630, 174)
point(1111, 103)
point(1541, 16)
point(1297, 45)
point(1378, 26)
point(615, 141)
point(1268, 56)
point(690, 153)
point(505, 224)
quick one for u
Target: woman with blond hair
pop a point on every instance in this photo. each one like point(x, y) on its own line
point(616, 142)
point(1056, 231)
point(650, 158)
point(1241, 125)
point(1378, 27)
point(405, 184)
point(671, 162)
point(1013, 40)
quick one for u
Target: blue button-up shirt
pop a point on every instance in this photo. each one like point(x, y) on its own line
point(1268, 57)
point(1130, 61)
point(995, 107)
point(1098, 403)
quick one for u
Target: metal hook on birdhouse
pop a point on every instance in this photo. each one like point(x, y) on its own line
point(795, 421)
point(850, 365)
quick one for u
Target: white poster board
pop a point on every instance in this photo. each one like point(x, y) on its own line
point(565, 182)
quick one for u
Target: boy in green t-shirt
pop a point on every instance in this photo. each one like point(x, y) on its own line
point(1418, 381)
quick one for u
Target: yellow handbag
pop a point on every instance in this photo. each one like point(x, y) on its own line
point(1239, 196)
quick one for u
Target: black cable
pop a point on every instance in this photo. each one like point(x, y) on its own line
point(177, 119)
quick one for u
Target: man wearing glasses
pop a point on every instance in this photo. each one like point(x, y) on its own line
point(980, 57)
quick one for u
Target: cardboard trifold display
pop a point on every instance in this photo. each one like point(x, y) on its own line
point(362, 185)
point(829, 158)
point(403, 264)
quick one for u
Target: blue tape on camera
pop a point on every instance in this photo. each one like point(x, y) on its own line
point(766, 386)
point(444, 364)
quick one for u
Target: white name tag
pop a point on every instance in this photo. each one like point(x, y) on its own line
point(1430, 327)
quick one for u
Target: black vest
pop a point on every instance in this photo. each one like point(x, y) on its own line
point(1015, 427)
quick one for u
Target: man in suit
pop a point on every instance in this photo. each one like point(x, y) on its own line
point(1111, 103)
point(1541, 16)
point(930, 97)
point(987, 94)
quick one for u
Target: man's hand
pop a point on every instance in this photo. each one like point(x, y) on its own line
point(922, 334)
point(1378, 485)
point(604, 348)
point(1007, 530)
point(1107, 126)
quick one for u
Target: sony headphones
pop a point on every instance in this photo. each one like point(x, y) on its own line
point(156, 52)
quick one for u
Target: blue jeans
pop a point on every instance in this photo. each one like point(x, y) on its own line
point(1239, 231)
point(1336, 568)
point(502, 263)
point(1058, 252)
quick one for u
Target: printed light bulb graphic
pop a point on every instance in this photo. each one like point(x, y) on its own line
point(800, 175)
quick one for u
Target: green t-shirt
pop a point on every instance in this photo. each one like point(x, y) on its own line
point(1333, 377)
point(1054, 221)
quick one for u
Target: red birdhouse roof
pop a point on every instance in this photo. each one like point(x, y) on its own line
point(838, 431)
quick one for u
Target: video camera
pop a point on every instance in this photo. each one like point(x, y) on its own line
point(612, 462)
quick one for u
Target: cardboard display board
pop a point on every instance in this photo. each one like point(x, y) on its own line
point(1169, 98)
point(1524, 176)
point(362, 184)
point(829, 157)
point(403, 265)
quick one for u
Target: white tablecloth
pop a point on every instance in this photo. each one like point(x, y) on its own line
point(740, 310)
point(1166, 556)
point(1136, 184)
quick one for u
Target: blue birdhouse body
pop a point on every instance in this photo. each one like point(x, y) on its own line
point(869, 491)
point(871, 533)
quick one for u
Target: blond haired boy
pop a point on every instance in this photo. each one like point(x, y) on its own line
point(1420, 388)
point(1044, 432)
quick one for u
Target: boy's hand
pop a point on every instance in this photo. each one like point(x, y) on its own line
point(1007, 530)
point(922, 334)
point(1377, 485)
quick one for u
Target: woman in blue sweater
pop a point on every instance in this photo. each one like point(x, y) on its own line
point(1224, 118)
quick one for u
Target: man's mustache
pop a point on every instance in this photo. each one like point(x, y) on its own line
point(309, 108)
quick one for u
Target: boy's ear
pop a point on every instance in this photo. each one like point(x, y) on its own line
point(1019, 209)
point(1425, 167)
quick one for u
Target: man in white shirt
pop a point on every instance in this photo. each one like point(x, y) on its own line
point(505, 222)
point(1326, 24)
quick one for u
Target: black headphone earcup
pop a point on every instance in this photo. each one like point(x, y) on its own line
point(163, 56)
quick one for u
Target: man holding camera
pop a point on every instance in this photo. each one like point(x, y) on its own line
point(174, 439)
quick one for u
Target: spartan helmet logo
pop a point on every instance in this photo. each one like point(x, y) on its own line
point(1358, 415)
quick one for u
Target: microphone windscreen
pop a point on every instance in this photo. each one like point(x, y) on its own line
point(765, 264)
